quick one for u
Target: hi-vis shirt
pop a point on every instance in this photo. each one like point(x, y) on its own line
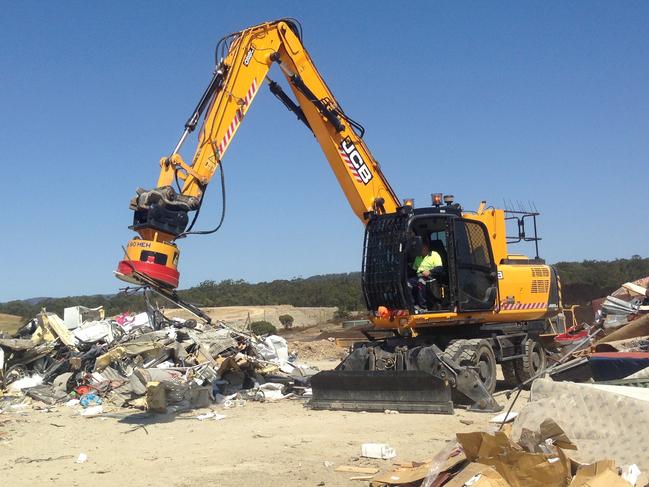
point(427, 263)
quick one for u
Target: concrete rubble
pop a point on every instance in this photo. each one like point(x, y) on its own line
point(143, 361)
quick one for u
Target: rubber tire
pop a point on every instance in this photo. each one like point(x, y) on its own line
point(471, 353)
point(509, 372)
point(534, 360)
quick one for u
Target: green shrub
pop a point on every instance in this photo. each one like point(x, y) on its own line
point(342, 314)
point(262, 328)
point(286, 321)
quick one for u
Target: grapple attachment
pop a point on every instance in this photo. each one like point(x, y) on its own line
point(150, 262)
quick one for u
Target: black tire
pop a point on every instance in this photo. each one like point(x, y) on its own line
point(533, 361)
point(486, 362)
point(476, 353)
point(509, 373)
point(460, 351)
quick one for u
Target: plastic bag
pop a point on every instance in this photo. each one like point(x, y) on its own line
point(438, 461)
point(90, 399)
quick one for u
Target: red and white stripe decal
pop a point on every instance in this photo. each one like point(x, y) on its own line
point(350, 165)
point(238, 117)
point(516, 306)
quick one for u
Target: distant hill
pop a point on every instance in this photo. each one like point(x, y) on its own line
point(581, 283)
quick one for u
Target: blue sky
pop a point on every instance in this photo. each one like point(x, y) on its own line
point(523, 101)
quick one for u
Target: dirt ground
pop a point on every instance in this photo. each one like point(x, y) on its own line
point(280, 443)
point(9, 323)
point(237, 316)
point(316, 350)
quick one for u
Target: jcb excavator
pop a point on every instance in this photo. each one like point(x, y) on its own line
point(484, 305)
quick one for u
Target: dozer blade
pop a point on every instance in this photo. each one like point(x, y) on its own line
point(411, 391)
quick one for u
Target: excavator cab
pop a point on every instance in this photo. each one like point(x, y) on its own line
point(466, 281)
point(410, 371)
point(484, 307)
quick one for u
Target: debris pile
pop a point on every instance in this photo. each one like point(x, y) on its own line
point(616, 347)
point(144, 360)
point(624, 305)
point(544, 455)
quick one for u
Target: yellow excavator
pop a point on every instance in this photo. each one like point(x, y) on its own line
point(483, 305)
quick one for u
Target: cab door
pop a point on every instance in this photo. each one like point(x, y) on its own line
point(383, 273)
point(475, 274)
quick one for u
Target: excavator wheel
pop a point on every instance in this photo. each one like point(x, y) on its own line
point(476, 353)
point(533, 361)
point(509, 372)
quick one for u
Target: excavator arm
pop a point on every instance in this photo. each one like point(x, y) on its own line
point(161, 215)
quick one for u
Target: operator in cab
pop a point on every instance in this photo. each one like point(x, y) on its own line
point(423, 265)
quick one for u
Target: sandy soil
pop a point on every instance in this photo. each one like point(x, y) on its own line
point(281, 443)
point(238, 315)
point(9, 323)
point(316, 350)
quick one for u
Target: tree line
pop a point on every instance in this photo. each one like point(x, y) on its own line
point(581, 283)
point(339, 290)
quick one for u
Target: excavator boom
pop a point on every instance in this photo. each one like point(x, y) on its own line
point(161, 214)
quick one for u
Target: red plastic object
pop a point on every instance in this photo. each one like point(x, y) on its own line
point(160, 273)
point(81, 390)
point(570, 337)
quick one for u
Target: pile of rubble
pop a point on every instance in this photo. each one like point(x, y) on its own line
point(615, 349)
point(144, 360)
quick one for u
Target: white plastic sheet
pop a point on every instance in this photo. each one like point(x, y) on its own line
point(25, 382)
point(135, 321)
point(272, 391)
point(93, 331)
point(74, 316)
point(274, 349)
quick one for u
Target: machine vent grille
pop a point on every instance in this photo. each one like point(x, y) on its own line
point(540, 286)
point(540, 272)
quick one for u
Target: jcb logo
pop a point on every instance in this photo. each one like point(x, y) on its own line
point(356, 160)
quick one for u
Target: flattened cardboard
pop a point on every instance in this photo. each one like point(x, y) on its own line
point(489, 477)
point(414, 472)
point(598, 474)
point(519, 468)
